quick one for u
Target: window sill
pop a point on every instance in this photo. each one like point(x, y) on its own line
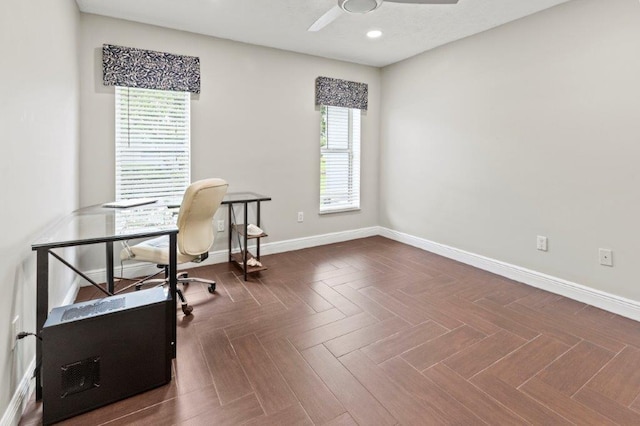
point(347, 209)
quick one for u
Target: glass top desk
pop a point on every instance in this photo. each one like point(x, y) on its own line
point(229, 198)
point(94, 225)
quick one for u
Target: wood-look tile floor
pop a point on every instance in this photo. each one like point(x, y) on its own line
point(374, 332)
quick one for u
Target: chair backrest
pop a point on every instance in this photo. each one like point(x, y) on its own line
point(195, 218)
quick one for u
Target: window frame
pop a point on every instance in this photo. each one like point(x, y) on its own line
point(354, 142)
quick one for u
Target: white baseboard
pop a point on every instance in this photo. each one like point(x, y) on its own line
point(609, 302)
point(20, 398)
point(139, 269)
point(319, 240)
point(72, 293)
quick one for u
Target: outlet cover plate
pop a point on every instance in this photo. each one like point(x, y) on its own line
point(541, 243)
point(15, 329)
point(606, 257)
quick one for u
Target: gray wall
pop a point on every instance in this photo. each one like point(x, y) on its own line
point(39, 161)
point(254, 124)
point(528, 129)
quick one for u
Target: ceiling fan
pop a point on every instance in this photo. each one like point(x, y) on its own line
point(362, 6)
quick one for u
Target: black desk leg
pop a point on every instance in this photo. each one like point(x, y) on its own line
point(42, 308)
point(173, 282)
point(246, 235)
point(230, 225)
point(258, 225)
point(110, 285)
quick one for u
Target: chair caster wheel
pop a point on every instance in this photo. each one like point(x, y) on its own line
point(212, 288)
point(186, 309)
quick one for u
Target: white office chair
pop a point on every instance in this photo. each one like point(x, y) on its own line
point(195, 236)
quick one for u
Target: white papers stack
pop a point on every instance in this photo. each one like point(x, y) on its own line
point(123, 204)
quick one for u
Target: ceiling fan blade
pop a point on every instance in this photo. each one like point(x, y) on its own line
point(424, 1)
point(326, 19)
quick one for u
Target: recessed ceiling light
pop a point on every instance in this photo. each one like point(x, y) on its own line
point(374, 33)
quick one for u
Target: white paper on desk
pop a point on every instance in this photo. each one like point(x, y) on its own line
point(123, 204)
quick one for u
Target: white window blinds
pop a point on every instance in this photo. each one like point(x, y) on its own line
point(152, 143)
point(339, 159)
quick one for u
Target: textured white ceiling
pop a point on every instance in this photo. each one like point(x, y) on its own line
point(408, 29)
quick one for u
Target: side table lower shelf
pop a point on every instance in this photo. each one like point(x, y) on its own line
point(237, 259)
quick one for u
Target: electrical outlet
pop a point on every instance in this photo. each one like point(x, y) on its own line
point(15, 329)
point(300, 216)
point(606, 257)
point(221, 225)
point(541, 243)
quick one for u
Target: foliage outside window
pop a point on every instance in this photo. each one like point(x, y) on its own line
point(339, 159)
point(152, 143)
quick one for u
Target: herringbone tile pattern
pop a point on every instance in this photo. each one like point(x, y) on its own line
point(374, 332)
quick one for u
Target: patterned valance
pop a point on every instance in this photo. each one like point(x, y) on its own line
point(147, 69)
point(341, 93)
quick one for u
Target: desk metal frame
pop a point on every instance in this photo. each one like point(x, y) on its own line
point(49, 241)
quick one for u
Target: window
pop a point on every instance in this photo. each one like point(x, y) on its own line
point(339, 159)
point(152, 143)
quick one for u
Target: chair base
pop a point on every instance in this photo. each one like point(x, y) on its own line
point(181, 278)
